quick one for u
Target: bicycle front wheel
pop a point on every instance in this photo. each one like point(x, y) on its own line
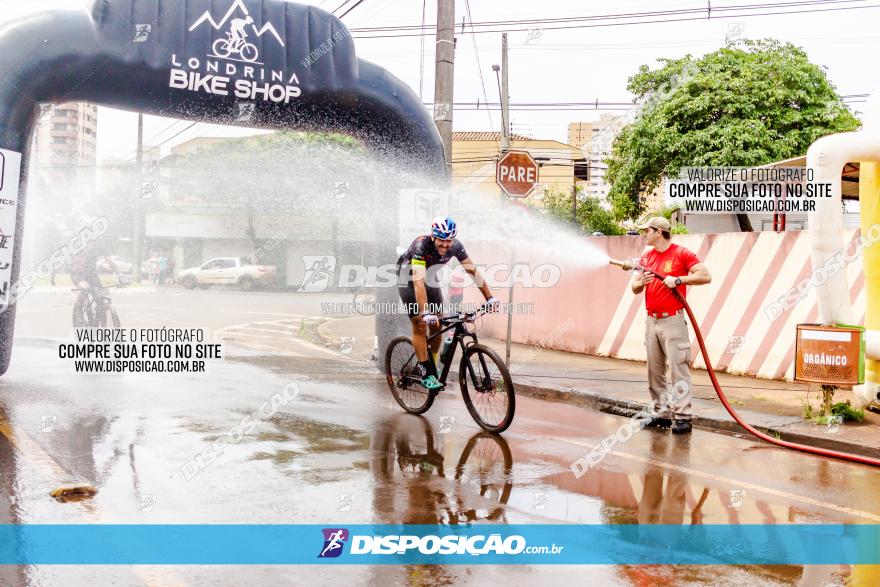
point(402, 374)
point(249, 52)
point(112, 318)
point(486, 388)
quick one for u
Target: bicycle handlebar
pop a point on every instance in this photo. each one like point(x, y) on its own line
point(465, 316)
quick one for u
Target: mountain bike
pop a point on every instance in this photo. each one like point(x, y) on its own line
point(95, 309)
point(486, 386)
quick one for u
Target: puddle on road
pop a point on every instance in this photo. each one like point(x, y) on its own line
point(344, 436)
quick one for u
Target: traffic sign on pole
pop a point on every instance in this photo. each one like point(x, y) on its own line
point(517, 174)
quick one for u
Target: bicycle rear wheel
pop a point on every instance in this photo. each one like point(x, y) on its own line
point(84, 311)
point(402, 374)
point(486, 388)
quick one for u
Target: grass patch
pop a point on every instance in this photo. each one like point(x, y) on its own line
point(849, 413)
point(842, 409)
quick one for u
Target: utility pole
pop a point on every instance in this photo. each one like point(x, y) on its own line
point(505, 147)
point(505, 98)
point(444, 74)
point(138, 232)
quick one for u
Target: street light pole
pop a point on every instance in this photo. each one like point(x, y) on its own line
point(503, 95)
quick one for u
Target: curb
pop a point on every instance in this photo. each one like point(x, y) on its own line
point(627, 408)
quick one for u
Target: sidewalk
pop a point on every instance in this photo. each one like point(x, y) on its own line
point(620, 387)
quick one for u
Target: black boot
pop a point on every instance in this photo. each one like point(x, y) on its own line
point(681, 427)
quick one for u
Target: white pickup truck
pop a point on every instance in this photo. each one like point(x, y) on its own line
point(228, 271)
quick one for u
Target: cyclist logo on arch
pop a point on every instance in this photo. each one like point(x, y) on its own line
point(236, 43)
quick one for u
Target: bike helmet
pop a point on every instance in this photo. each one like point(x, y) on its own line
point(444, 228)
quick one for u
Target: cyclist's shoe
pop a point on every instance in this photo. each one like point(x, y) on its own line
point(431, 383)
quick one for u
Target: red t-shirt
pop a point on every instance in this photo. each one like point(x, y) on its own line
point(676, 261)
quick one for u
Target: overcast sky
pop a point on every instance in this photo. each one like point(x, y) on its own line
point(570, 65)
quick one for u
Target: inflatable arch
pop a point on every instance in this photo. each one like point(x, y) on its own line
point(289, 65)
point(826, 157)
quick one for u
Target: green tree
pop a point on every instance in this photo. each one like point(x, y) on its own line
point(591, 216)
point(278, 174)
point(739, 106)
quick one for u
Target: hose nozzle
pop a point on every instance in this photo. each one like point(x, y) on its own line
point(625, 265)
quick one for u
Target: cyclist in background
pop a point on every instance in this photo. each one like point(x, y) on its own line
point(421, 294)
point(84, 270)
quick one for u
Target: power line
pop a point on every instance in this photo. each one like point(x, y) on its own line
point(584, 106)
point(338, 8)
point(467, 5)
point(163, 131)
point(617, 16)
point(172, 137)
point(358, 3)
point(699, 15)
point(156, 136)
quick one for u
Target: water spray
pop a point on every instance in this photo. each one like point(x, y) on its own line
point(630, 266)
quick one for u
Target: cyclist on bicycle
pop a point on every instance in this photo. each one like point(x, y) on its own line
point(84, 270)
point(237, 33)
point(421, 294)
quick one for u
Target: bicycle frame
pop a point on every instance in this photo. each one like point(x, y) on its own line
point(235, 44)
point(458, 340)
point(459, 336)
point(94, 303)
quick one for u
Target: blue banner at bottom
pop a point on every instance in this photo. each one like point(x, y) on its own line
point(366, 544)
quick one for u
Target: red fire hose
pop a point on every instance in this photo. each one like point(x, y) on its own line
point(784, 443)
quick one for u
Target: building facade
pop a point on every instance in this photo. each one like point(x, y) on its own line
point(474, 155)
point(66, 134)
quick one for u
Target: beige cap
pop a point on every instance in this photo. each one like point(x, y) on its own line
point(657, 222)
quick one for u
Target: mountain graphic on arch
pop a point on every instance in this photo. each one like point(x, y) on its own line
point(238, 6)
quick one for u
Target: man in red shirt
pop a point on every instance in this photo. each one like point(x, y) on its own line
point(667, 339)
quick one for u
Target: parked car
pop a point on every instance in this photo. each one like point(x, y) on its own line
point(228, 271)
point(121, 264)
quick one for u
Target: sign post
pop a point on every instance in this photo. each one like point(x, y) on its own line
point(516, 175)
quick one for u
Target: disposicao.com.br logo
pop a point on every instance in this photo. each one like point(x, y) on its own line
point(428, 544)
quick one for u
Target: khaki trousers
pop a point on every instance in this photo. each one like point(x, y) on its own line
point(668, 344)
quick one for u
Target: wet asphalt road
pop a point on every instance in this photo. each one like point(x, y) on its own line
point(342, 452)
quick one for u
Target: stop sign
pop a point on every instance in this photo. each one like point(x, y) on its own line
point(517, 174)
